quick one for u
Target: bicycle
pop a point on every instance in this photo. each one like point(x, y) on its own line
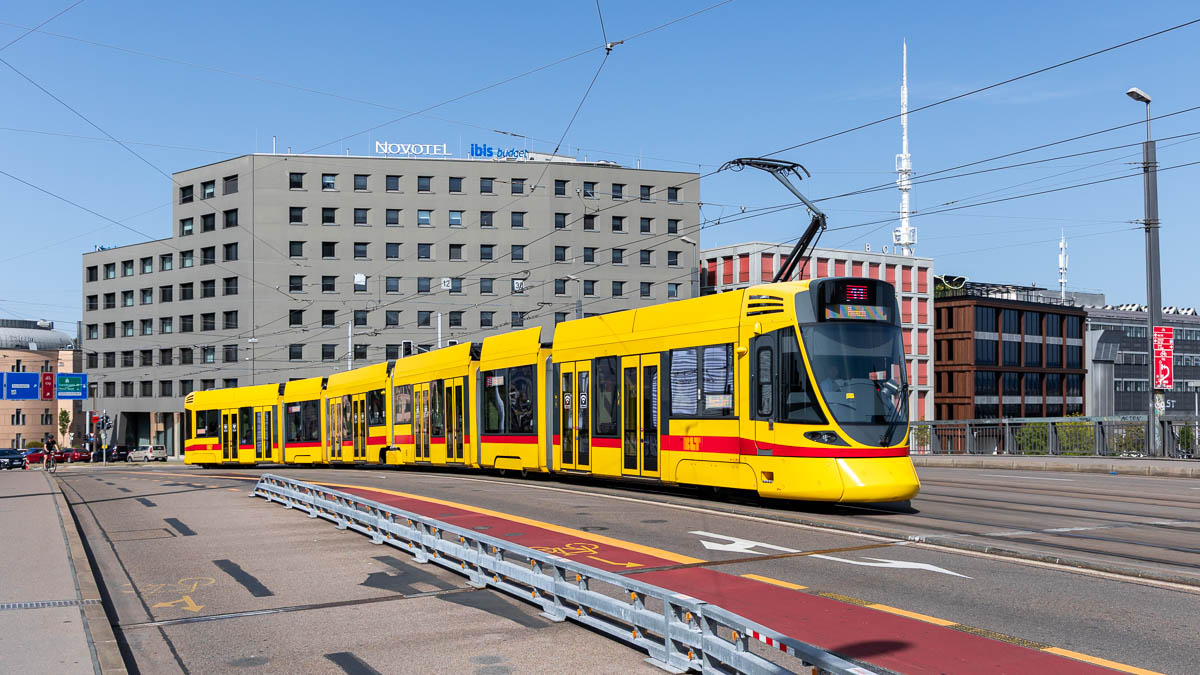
point(48, 463)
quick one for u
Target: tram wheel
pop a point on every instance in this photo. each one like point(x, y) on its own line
point(524, 473)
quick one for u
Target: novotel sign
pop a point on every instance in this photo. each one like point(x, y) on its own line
point(412, 149)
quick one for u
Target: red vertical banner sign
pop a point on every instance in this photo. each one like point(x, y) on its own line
point(1164, 357)
point(47, 387)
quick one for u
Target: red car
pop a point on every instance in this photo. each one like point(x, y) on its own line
point(73, 455)
point(34, 456)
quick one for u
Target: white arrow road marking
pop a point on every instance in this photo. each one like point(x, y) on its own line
point(737, 545)
point(897, 564)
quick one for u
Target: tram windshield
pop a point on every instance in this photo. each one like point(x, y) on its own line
point(859, 368)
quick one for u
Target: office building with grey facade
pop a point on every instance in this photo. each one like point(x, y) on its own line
point(1121, 337)
point(289, 266)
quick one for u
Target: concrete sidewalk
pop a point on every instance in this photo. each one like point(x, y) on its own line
point(1169, 468)
point(51, 616)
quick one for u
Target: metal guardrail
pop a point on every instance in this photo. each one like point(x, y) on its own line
point(679, 632)
point(1073, 436)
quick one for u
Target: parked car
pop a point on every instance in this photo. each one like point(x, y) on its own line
point(145, 453)
point(61, 454)
point(11, 458)
point(77, 455)
point(117, 453)
point(33, 456)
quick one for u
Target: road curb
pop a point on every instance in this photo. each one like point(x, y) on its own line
point(102, 642)
point(1169, 469)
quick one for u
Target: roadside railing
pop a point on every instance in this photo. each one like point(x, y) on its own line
point(679, 632)
point(1123, 436)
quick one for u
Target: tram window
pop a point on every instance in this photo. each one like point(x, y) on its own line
point(208, 423)
point(764, 359)
point(303, 421)
point(376, 408)
point(402, 404)
point(702, 381)
point(187, 425)
point(510, 401)
point(795, 392)
point(245, 426)
point(606, 396)
point(347, 420)
point(436, 427)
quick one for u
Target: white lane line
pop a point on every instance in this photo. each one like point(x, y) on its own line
point(1009, 475)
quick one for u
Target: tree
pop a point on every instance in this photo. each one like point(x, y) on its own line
point(64, 422)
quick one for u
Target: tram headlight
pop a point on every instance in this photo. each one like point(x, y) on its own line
point(826, 437)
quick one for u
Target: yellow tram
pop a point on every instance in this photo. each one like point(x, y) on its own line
point(793, 390)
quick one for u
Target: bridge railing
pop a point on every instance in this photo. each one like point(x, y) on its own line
point(679, 632)
point(1123, 436)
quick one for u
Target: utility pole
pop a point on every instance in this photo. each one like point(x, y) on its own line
point(350, 344)
point(1153, 275)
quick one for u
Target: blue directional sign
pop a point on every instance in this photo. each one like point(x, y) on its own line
point(72, 386)
point(22, 386)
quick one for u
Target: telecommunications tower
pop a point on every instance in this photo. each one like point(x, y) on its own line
point(1062, 266)
point(905, 236)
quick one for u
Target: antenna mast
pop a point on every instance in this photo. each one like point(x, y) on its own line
point(905, 236)
point(1062, 266)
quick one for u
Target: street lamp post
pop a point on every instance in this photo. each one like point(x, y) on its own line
point(695, 277)
point(1153, 275)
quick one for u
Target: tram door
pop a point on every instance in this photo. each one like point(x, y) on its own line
point(456, 419)
point(358, 422)
point(229, 435)
point(575, 416)
point(264, 433)
point(421, 419)
point(640, 415)
point(333, 428)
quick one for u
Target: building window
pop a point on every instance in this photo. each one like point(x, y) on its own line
point(518, 219)
point(673, 194)
point(229, 320)
point(93, 331)
point(296, 352)
point(618, 191)
point(208, 288)
point(147, 296)
point(296, 283)
point(392, 284)
point(672, 226)
point(231, 252)
point(485, 186)
point(328, 249)
point(487, 218)
point(486, 251)
point(185, 356)
point(618, 256)
point(560, 253)
point(672, 258)
point(456, 319)
point(647, 190)
point(424, 251)
point(672, 290)
point(231, 286)
point(360, 250)
point(229, 354)
point(618, 289)
point(456, 219)
point(589, 254)
point(208, 354)
point(127, 389)
point(360, 216)
point(208, 189)
point(208, 255)
point(327, 352)
point(93, 273)
point(231, 218)
point(185, 194)
point(295, 317)
point(589, 223)
point(127, 298)
point(360, 317)
point(645, 289)
point(92, 303)
point(126, 268)
point(392, 217)
point(424, 218)
point(166, 262)
point(110, 330)
point(360, 182)
point(229, 185)
point(208, 321)
point(360, 351)
point(518, 320)
point(518, 186)
point(328, 318)
point(456, 286)
point(164, 388)
point(110, 301)
point(589, 190)
point(147, 326)
point(328, 215)
point(208, 222)
point(423, 284)
point(360, 283)
point(165, 325)
point(486, 319)
point(110, 270)
point(423, 318)
point(329, 181)
point(486, 285)
point(296, 249)
point(644, 257)
point(560, 188)
point(164, 357)
point(618, 223)
point(456, 251)
point(110, 359)
point(186, 323)
point(391, 250)
point(560, 221)
point(185, 227)
point(392, 183)
point(518, 252)
point(424, 183)
point(391, 317)
point(295, 181)
point(391, 352)
point(456, 183)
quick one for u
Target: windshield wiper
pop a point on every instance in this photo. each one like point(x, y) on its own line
point(902, 396)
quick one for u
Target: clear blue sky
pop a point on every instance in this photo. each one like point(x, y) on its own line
point(746, 78)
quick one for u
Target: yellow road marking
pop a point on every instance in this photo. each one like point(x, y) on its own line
point(912, 615)
point(1101, 662)
point(775, 582)
point(615, 564)
point(186, 601)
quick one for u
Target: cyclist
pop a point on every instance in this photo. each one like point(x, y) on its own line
point(48, 450)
